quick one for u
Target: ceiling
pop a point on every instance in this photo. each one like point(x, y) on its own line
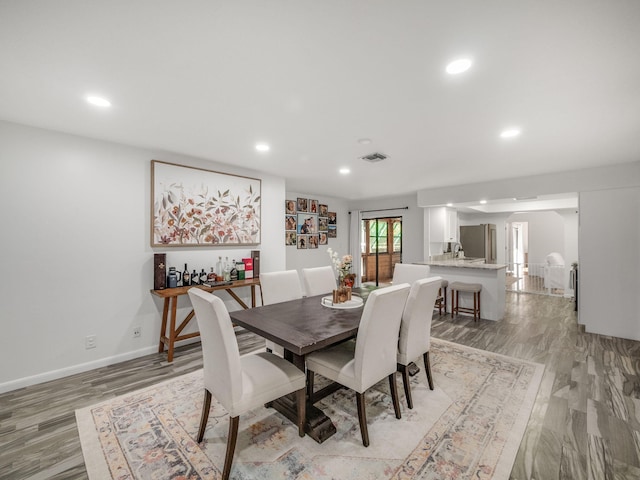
point(210, 79)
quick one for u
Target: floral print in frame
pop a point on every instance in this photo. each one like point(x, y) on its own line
point(197, 207)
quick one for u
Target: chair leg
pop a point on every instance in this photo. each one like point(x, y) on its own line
point(231, 446)
point(205, 414)
point(301, 398)
point(427, 369)
point(394, 395)
point(407, 387)
point(310, 378)
point(362, 418)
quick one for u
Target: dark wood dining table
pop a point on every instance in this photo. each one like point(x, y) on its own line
point(303, 326)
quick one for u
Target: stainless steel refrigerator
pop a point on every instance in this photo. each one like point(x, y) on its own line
point(479, 241)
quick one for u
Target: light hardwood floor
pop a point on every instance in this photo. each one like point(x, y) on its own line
point(585, 423)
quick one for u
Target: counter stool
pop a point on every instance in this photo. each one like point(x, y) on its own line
point(441, 301)
point(456, 288)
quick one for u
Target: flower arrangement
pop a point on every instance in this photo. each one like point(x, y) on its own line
point(342, 265)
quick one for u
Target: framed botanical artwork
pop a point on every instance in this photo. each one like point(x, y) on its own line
point(202, 208)
point(313, 206)
point(333, 231)
point(303, 241)
point(290, 238)
point(290, 207)
point(323, 210)
point(307, 223)
point(332, 218)
point(303, 204)
point(313, 241)
point(323, 238)
point(323, 224)
point(290, 222)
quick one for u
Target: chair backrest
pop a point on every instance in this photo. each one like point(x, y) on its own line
point(280, 286)
point(377, 341)
point(415, 328)
point(221, 356)
point(409, 273)
point(318, 280)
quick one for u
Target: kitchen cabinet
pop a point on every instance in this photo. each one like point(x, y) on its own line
point(443, 224)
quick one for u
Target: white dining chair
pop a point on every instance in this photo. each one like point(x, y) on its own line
point(362, 363)
point(409, 273)
point(239, 383)
point(415, 330)
point(318, 280)
point(278, 287)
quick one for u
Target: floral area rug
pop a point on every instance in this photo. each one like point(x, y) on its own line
point(470, 426)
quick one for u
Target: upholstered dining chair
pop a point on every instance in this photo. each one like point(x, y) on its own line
point(239, 383)
point(415, 330)
point(278, 287)
point(362, 363)
point(318, 280)
point(409, 273)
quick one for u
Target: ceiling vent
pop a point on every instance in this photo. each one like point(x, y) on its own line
point(374, 157)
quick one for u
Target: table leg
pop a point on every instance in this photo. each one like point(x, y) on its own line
point(172, 328)
point(163, 328)
point(253, 296)
point(317, 424)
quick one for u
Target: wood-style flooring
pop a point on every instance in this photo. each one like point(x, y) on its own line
point(585, 423)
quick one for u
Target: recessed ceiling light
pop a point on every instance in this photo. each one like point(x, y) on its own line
point(458, 66)
point(449, 204)
point(345, 170)
point(262, 147)
point(364, 141)
point(98, 101)
point(510, 132)
point(482, 202)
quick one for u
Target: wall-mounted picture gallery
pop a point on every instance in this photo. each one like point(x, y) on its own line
point(308, 223)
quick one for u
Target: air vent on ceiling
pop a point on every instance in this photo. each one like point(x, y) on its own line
point(374, 157)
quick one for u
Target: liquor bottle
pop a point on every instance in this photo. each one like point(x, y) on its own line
point(186, 277)
point(240, 267)
point(203, 277)
point(226, 274)
point(212, 276)
point(219, 267)
point(195, 277)
point(234, 272)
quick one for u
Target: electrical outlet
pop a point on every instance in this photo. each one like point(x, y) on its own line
point(137, 331)
point(90, 342)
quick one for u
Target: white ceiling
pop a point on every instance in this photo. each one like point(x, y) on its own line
point(211, 78)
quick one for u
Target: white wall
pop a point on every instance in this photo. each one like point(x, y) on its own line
point(75, 249)
point(297, 259)
point(609, 263)
point(412, 221)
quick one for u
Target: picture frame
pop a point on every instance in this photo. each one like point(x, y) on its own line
point(307, 223)
point(313, 206)
point(323, 238)
point(323, 224)
point(290, 222)
point(323, 210)
point(290, 207)
point(302, 204)
point(313, 241)
point(302, 242)
point(332, 218)
point(197, 207)
point(333, 231)
point(290, 238)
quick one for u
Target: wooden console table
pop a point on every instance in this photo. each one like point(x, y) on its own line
point(170, 296)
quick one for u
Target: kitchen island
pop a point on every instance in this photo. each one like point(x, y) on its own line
point(490, 275)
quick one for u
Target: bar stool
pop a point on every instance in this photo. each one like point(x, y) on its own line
point(441, 301)
point(456, 288)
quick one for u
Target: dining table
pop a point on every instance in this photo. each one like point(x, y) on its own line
point(302, 326)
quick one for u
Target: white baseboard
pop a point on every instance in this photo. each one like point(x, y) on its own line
point(80, 368)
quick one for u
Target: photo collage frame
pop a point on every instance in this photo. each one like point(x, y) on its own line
point(308, 223)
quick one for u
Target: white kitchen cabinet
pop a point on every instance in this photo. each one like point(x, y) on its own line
point(443, 224)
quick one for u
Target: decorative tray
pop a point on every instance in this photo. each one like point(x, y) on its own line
point(355, 302)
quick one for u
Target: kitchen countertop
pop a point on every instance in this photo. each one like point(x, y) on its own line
point(464, 263)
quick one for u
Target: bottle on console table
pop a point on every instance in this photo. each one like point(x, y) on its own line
point(195, 278)
point(203, 276)
point(186, 277)
point(233, 276)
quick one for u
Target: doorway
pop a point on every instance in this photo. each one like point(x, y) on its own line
point(381, 248)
